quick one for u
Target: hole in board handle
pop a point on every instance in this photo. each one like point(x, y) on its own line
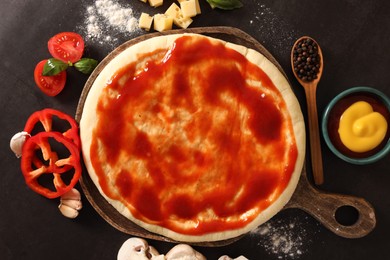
point(347, 215)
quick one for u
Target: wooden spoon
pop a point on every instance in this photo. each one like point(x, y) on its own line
point(310, 91)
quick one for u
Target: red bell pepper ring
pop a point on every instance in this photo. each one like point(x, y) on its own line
point(33, 168)
point(45, 117)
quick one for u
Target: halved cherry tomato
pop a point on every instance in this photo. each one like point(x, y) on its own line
point(50, 85)
point(66, 46)
point(34, 168)
point(45, 117)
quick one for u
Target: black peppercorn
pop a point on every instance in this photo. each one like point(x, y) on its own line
point(306, 59)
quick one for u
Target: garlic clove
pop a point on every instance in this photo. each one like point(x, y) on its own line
point(73, 194)
point(74, 204)
point(17, 141)
point(70, 203)
point(68, 211)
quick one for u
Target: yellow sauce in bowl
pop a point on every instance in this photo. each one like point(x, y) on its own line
point(354, 138)
point(361, 129)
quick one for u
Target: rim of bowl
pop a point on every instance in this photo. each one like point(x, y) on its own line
point(373, 158)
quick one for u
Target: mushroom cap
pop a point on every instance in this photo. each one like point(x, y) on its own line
point(136, 249)
point(225, 257)
point(155, 254)
point(184, 252)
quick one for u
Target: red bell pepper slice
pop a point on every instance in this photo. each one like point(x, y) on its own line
point(59, 169)
point(45, 117)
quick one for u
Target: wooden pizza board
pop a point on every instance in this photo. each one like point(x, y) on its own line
point(321, 205)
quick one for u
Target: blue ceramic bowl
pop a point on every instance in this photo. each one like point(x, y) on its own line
point(355, 90)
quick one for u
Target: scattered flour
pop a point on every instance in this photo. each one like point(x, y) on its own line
point(273, 29)
point(106, 20)
point(285, 239)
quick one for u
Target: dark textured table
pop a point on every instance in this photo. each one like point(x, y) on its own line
point(355, 39)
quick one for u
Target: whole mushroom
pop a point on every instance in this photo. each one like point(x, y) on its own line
point(138, 249)
point(225, 257)
point(183, 252)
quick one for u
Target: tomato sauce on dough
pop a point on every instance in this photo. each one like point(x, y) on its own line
point(196, 135)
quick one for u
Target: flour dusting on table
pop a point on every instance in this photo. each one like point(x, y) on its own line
point(107, 20)
point(283, 238)
point(272, 28)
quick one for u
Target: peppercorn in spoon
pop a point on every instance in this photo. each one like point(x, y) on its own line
point(307, 65)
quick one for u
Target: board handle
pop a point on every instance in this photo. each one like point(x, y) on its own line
point(323, 206)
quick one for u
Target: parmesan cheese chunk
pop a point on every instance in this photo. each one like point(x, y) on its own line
point(145, 21)
point(162, 22)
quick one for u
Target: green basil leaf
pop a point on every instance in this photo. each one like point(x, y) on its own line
point(53, 67)
point(86, 65)
point(225, 4)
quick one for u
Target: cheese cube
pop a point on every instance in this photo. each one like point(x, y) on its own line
point(188, 8)
point(162, 22)
point(183, 22)
point(179, 20)
point(155, 3)
point(143, 1)
point(174, 11)
point(198, 10)
point(145, 21)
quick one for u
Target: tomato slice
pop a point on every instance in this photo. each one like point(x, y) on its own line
point(50, 85)
point(66, 46)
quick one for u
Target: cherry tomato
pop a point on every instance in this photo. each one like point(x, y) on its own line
point(66, 46)
point(50, 85)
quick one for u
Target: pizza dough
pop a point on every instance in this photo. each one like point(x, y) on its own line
point(192, 137)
